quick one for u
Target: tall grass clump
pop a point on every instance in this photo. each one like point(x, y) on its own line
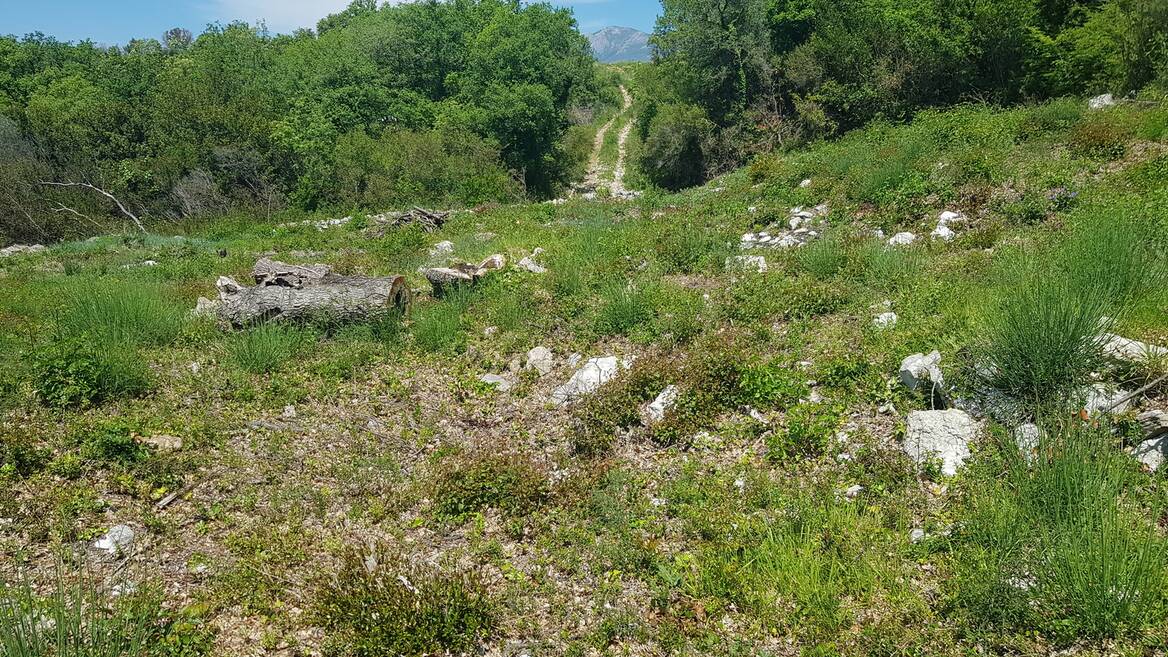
point(823, 258)
point(623, 308)
point(1052, 546)
point(94, 354)
point(78, 619)
point(1113, 256)
point(438, 327)
point(125, 314)
point(263, 349)
point(888, 267)
point(1041, 337)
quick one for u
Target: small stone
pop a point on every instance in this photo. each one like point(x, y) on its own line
point(575, 359)
point(1028, 437)
point(747, 263)
point(529, 264)
point(804, 184)
point(943, 233)
point(940, 434)
point(916, 535)
point(289, 412)
point(491, 331)
point(948, 216)
point(919, 368)
point(594, 373)
point(443, 248)
point(853, 491)
point(195, 368)
point(1154, 423)
point(1152, 453)
point(886, 320)
point(541, 360)
point(1130, 351)
point(493, 263)
point(165, 443)
point(661, 405)
point(902, 239)
point(501, 383)
point(205, 307)
point(1101, 398)
point(117, 540)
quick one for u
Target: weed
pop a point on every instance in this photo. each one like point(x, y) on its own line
point(438, 327)
point(123, 314)
point(887, 267)
point(617, 405)
point(808, 431)
point(1098, 139)
point(71, 371)
point(384, 605)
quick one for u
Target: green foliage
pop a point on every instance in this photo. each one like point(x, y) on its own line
point(808, 431)
point(385, 605)
point(672, 156)
point(1051, 546)
point(505, 482)
point(264, 349)
point(124, 314)
point(75, 372)
point(1098, 139)
point(624, 307)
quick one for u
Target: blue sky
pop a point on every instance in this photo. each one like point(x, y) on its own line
point(117, 21)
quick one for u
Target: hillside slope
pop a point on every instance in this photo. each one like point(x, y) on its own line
point(660, 428)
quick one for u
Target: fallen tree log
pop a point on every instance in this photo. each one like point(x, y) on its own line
point(289, 292)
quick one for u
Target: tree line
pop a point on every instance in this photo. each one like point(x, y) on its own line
point(435, 101)
point(734, 77)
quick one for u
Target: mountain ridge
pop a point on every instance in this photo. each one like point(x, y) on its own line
point(620, 44)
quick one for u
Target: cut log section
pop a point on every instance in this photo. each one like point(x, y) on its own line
point(291, 292)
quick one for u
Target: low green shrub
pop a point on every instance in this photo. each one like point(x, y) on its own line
point(465, 486)
point(387, 605)
point(617, 405)
point(808, 431)
point(1098, 139)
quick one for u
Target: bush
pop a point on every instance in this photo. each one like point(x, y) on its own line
point(77, 372)
point(504, 482)
point(263, 349)
point(384, 605)
point(672, 156)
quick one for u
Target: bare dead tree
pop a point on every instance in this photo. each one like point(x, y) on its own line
point(133, 217)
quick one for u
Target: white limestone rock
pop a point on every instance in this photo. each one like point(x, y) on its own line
point(886, 320)
point(747, 263)
point(902, 239)
point(594, 373)
point(1100, 102)
point(541, 360)
point(919, 369)
point(656, 411)
point(943, 435)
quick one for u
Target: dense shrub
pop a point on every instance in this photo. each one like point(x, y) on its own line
point(672, 156)
point(76, 372)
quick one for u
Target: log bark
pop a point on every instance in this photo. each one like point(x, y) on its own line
point(288, 292)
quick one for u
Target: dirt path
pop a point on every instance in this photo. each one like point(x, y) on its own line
point(617, 188)
point(596, 168)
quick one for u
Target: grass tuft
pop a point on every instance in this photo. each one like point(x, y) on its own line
point(264, 349)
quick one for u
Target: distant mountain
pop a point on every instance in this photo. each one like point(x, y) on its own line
point(620, 44)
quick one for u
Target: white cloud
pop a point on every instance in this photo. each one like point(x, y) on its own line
point(279, 15)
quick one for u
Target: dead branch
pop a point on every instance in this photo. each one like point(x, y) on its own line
point(121, 206)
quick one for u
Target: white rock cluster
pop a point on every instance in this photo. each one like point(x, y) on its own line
point(943, 435)
point(17, 249)
point(805, 225)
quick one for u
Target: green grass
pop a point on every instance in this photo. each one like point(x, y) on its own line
point(824, 257)
point(124, 313)
point(264, 349)
point(1052, 546)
